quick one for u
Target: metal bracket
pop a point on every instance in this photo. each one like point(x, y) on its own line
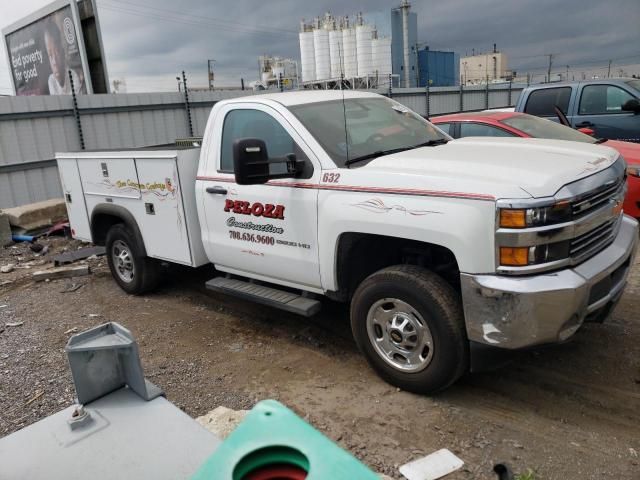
point(104, 359)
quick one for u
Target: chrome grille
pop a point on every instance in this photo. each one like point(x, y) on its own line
point(590, 243)
point(595, 199)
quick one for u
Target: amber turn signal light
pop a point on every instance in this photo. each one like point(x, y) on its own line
point(510, 218)
point(514, 256)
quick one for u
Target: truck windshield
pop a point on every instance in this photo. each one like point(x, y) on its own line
point(542, 128)
point(365, 127)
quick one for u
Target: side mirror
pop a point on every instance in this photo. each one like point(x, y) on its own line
point(252, 165)
point(632, 105)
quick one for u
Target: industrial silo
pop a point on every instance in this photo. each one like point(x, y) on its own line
point(364, 36)
point(336, 53)
point(381, 54)
point(307, 56)
point(350, 61)
point(323, 57)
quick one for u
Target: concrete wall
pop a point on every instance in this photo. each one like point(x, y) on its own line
point(33, 129)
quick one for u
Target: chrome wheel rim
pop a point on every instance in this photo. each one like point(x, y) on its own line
point(400, 335)
point(122, 261)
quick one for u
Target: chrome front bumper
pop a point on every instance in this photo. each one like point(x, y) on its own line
point(516, 312)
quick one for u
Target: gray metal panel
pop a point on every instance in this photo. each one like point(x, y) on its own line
point(127, 438)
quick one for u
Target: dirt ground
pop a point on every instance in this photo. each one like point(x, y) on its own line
point(567, 412)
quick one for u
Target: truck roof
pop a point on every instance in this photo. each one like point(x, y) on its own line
point(300, 97)
point(578, 82)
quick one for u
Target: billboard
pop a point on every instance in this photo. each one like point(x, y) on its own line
point(46, 52)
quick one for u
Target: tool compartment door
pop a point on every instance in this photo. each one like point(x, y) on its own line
point(162, 220)
point(74, 198)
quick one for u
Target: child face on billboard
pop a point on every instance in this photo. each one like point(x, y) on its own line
point(56, 54)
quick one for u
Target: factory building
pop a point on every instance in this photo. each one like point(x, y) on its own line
point(484, 68)
point(438, 69)
point(404, 34)
point(276, 72)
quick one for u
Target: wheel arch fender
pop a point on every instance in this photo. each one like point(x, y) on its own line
point(105, 215)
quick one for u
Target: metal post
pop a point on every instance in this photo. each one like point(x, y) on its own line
point(461, 98)
point(427, 99)
point(510, 93)
point(280, 82)
point(242, 83)
point(486, 96)
point(390, 86)
point(186, 104)
point(76, 112)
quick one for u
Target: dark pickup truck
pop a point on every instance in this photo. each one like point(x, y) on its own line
point(610, 107)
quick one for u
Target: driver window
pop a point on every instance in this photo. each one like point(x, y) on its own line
point(245, 123)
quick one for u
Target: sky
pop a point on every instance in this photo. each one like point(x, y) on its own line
point(149, 42)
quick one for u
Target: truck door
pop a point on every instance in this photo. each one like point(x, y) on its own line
point(268, 231)
point(599, 108)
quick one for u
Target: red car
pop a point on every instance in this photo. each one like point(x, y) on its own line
point(514, 124)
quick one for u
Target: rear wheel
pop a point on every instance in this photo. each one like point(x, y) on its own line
point(135, 273)
point(409, 324)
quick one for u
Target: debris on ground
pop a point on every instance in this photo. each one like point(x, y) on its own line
point(71, 330)
point(432, 467)
point(61, 272)
point(7, 268)
point(36, 247)
point(14, 324)
point(70, 257)
point(222, 421)
point(35, 397)
point(72, 287)
point(35, 216)
point(5, 230)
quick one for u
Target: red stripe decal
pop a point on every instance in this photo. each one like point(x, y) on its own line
point(352, 188)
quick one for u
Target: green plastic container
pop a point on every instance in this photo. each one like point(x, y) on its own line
point(273, 438)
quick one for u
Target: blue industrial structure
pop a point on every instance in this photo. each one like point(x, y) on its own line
point(438, 69)
point(389, 24)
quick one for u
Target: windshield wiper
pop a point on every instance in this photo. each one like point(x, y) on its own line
point(601, 140)
point(380, 153)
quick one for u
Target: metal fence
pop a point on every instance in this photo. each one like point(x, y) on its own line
point(33, 129)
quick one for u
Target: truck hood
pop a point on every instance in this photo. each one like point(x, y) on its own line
point(502, 167)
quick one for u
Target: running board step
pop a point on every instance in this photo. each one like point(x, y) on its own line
point(272, 297)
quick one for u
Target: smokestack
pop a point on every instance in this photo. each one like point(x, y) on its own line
point(494, 48)
point(405, 6)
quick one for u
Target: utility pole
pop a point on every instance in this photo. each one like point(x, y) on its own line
point(550, 55)
point(210, 72)
point(567, 73)
point(609, 70)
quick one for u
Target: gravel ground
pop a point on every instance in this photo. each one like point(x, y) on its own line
point(570, 411)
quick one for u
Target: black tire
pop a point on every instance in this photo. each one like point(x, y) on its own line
point(145, 271)
point(440, 308)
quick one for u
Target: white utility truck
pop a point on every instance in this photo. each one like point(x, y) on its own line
point(447, 251)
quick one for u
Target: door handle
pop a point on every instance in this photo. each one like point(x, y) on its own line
point(584, 124)
point(216, 190)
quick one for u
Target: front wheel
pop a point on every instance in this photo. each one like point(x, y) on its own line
point(135, 273)
point(409, 324)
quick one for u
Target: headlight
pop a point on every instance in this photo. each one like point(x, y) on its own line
point(535, 217)
point(633, 171)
